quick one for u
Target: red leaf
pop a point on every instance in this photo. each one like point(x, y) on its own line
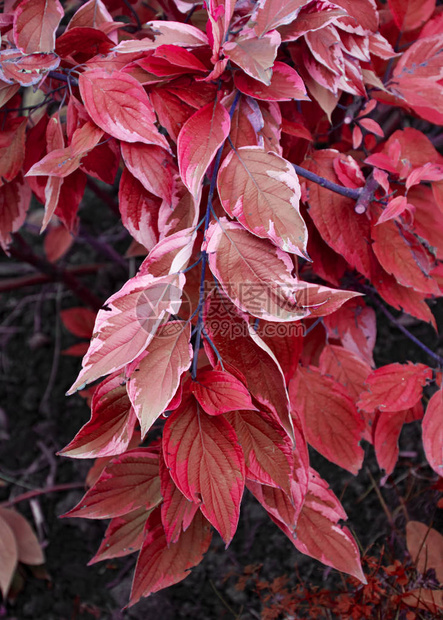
point(128, 482)
point(235, 345)
point(29, 550)
point(283, 507)
point(124, 535)
point(76, 350)
point(411, 14)
point(171, 254)
point(333, 425)
point(111, 426)
point(273, 13)
point(153, 167)
point(254, 55)
point(57, 242)
point(127, 324)
point(160, 565)
point(92, 14)
point(286, 343)
point(138, 210)
point(285, 85)
point(9, 556)
point(165, 33)
point(14, 203)
point(27, 70)
point(345, 367)
point(63, 162)
point(79, 321)
point(198, 141)
point(363, 11)
point(119, 105)
point(219, 392)
point(254, 274)
point(154, 377)
point(403, 256)
point(386, 433)
point(206, 463)
point(433, 432)
point(262, 191)
point(82, 44)
point(35, 24)
point(320, 536)
point(394, 387)
point(177, 512)
point(330, 210)
point(12, 150)
point(266, 447)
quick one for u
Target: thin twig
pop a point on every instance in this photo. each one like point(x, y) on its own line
point(57, 488)
point(348, 192)
point(44, 403)
point(22, 252)
point(403, 329)
point(10, 284)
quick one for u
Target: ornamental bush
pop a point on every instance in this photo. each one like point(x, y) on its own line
point(278, 170)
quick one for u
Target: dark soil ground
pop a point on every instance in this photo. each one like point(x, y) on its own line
point(37, 420)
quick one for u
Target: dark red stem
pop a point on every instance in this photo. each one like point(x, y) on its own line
point(22, 252)
point(57, 488)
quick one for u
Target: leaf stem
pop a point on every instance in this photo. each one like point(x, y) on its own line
point(348, 192)
point(57, 488)
point(22, 252)
point(204, 256)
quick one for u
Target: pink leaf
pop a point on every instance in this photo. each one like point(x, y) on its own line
point(254, 55)
point(285, 85)
point(199, 140)
point(395, 207)
point(262, 191)
point(29, 550)
point(333, 425)
point(267, 448)
point(15, 198)
point(119, 105)
point(153, 166)
point(394, 387)
point(177, 512)
point(139, 210)
point(124, 535)
point(165, 33)
point(219, 392)
point(35, 25)
point(320, 536)
point(128, 323)
point(273, 13)
point(154, 377)
point(111, 426)
point(130, 481)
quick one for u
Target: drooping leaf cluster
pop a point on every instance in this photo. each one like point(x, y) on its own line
point(272, 172)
